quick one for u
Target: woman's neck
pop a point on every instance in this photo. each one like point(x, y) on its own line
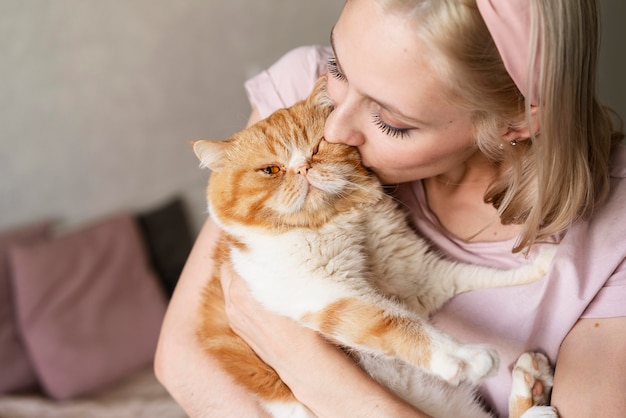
point(456, 198)
point(476, 170)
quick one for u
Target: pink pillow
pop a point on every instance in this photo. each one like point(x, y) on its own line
point(16, 371)
point(89, 307)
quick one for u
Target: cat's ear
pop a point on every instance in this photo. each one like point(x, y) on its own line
point(319, 95)
point(210, 153)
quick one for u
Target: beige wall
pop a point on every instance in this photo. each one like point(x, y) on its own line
point(98, 98)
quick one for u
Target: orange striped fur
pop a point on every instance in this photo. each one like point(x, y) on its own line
point(371, 326)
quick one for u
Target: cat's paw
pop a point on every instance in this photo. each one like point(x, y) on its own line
point(532, 383)
point(535, 270)
point(541, 412)
point(468, 363)
point(533, 377)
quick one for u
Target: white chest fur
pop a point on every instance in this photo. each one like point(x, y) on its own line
point(300, 271)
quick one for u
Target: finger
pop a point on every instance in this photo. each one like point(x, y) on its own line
point(238, 300)
point(226, 276)
point(236, 287)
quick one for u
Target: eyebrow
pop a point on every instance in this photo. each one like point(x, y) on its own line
point(386, 106)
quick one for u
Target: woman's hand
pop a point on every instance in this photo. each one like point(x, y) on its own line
point(273, 337)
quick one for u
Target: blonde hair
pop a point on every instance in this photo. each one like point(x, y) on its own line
point(560, 174)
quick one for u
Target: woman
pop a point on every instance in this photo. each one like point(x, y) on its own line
point(494, 153)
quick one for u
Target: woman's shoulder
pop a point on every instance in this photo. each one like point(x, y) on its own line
point(594, 250)
point(288, 80)
point(606, 227)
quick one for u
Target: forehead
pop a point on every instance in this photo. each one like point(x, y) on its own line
point(384, 58)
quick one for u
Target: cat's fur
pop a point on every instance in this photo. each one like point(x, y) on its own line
point(316, 239)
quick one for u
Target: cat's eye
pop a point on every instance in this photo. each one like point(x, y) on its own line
point(271, 169)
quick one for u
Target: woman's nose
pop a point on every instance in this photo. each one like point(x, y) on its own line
point(341, 127)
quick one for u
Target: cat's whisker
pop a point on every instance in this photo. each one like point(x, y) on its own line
point(357, 186)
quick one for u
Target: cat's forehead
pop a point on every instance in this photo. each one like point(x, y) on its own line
point(287, 136)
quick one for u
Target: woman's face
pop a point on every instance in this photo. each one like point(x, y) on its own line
point(389, 100)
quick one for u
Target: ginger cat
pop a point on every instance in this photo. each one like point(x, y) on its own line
point(316, 239)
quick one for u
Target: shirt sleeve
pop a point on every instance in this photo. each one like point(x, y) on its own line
point(289, 80)
point(610, 301)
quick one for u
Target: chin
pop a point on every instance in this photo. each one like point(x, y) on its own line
point(384, 178)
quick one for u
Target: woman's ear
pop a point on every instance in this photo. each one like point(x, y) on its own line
point(525, 129)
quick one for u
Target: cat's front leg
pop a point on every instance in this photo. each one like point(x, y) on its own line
point(387, 329)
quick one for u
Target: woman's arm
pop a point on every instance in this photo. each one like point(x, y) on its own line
point(320, 375)
point(591, 370)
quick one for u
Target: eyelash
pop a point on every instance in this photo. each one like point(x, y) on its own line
point(388, 129)
point(333, 70)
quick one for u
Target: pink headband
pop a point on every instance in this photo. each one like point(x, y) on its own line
point(508, 22)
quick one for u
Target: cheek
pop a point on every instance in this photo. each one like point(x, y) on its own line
point(376, 156)
point(425, 152)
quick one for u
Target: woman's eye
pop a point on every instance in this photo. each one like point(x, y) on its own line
point(388, 129)
point(333, 69)
point(271, 169)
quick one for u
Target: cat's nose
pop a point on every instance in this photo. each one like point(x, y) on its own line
point(303, 169)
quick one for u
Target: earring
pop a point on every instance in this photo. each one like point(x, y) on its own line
point(512, 143)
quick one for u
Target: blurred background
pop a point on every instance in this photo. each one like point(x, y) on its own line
point(99, 98)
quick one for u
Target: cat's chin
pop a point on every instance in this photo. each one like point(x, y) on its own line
point(313, 192)
point(316, 209)
point(308, 219)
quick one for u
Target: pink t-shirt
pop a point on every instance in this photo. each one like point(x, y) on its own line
point(588, 275)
